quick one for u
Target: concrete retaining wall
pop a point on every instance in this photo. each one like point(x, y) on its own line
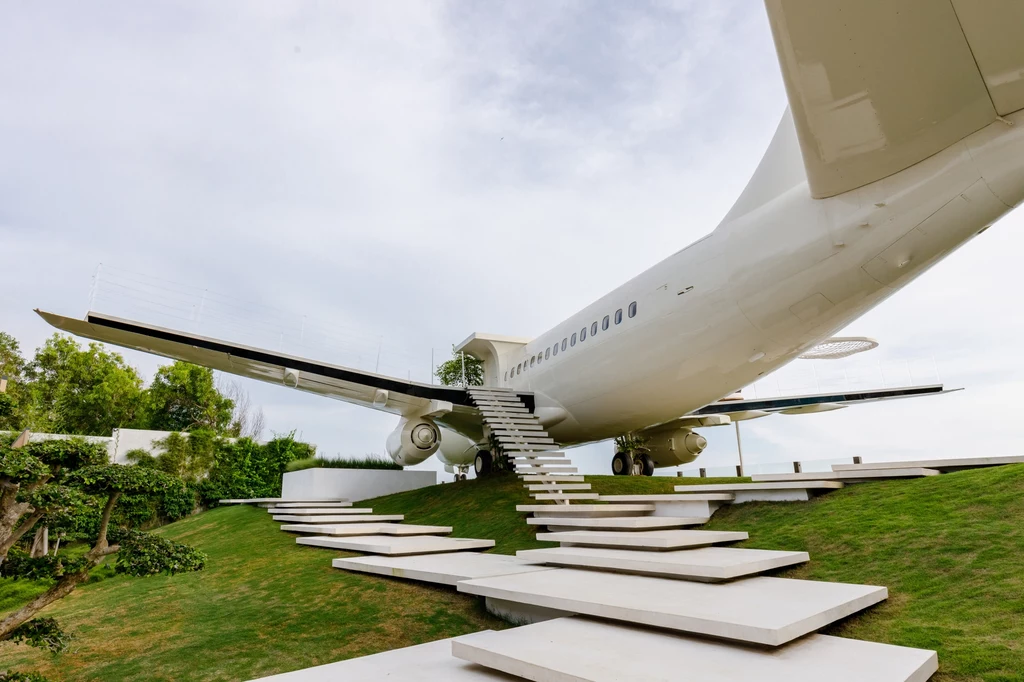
point(352, 484)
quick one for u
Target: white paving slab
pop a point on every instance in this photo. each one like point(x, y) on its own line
point(659, 540)
point(306, 505)
point(339, 518)
point(669, 497)
point(582, 650)
point(542, 487)
point(545, 478)
point(350, 529)
point(265, 500)
point(445, 569)
point(769, 611)
point(955, 464)
point(710, 564)
point(564, 496)
point(433, 661)
point(616, 522)
point(849, 476)
point(586, 509)
point(816, 484)
point(319, 511)
point(396, 546)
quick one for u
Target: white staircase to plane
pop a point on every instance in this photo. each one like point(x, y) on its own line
point(547, 473)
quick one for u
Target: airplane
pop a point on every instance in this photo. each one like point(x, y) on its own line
point(903, 140)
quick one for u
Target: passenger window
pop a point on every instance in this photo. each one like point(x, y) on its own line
point(532, 360)
point(563, 344)
point(547, 353)
point(506, 376)
point(593, 329)
point(583, 335)
point(605, 322)
point(632, 309)
point(519, 368)
point(618, 316)
point(554, 349)
point(573, 342)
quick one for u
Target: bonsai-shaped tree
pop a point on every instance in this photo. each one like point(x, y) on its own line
point(49, 481)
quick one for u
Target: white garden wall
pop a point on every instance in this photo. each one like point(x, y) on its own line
point(352, 484)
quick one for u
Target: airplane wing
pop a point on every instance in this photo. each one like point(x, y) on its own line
point(449, 405)
point(739, 410)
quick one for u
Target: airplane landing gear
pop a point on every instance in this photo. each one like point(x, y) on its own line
point(461, 472)
point(622, 464)
point(483, 464)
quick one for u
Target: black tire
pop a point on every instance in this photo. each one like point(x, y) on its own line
point(622, 464)
point(483, 464)
point(646, 465)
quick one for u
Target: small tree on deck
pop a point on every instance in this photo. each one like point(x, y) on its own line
point(451, 372)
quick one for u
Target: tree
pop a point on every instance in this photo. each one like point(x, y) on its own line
point(247, 420)
point(184, 397)
point(12, 370)
point(33, 475)
point(451, 372)
point(81, 391)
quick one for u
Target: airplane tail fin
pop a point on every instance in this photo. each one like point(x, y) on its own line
point(876, 86)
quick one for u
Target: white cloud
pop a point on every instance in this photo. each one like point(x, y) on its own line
point(407, 173)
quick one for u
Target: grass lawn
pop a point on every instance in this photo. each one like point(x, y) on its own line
point(950, 549)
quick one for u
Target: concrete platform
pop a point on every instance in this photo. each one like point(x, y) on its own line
point(553, 651)
point(351, 529)
point(698, 504)
point(267, 500)
point(564, 496)
point(309, 505)
point(708, 564)
point(319, 511)
point(849, 476)
point(616, 522)
point(669, 497)
point(657, 540)
point(589, 510)
point(397, 546)
point(796, 491)
point(444, 569)
point(546, 478)
point(339, 518)
point(768, 611)
point(957, 464)
point(432, 661)
point(541, 487)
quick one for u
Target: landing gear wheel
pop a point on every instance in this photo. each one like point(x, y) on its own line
point(646, 465)
point(460, 477)
point(622, 464)
point(483, 464)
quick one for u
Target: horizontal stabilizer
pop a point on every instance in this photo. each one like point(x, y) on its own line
point(876, 86)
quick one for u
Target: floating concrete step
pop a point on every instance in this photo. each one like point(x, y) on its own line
point(517, 448)
point(955, 464)
point(319, 511)
point(768, 611)
point(848, 476)
point(541, 487)
point(541, 461)
point(616, 522)
point(524, 438)
point(709, 564)
point(310, 505)
point(699, 504)
point(544, 478)
point(433, 661)
point(655, 540)
point(519, 428)
point(445, 569)
point(526, 467)
point(351, 529)
point(564, 496)
point(586, 509)
point(795, 491)
point(397, 546)
point(339, 518)
point(278, 500)
point(581, 650)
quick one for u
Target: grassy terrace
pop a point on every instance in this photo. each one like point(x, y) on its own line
point(950, 549)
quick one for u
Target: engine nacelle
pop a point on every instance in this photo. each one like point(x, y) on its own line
point(673, 447)
point(413, 441)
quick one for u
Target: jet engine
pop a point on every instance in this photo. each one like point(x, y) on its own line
point(413, 441)
point(673, 447)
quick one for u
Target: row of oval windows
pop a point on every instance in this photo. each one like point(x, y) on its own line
point(571, 341)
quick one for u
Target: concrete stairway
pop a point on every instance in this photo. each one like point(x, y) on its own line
point(546, 471)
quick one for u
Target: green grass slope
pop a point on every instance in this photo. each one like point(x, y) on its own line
point(950, 549)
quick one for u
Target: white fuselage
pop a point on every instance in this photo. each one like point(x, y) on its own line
point(778, 275)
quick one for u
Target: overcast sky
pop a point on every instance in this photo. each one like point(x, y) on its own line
point(391, 177)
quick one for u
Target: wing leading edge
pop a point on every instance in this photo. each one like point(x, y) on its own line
point(376, 391)
point(818, 402)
